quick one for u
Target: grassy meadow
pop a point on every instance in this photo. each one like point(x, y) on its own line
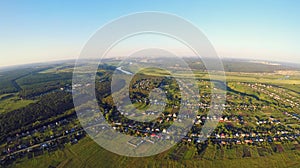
point(88, 154)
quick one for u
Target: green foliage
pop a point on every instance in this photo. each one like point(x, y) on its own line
point(22, 119)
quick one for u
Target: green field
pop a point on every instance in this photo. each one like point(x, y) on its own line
point(11, 102)
point(88, 154)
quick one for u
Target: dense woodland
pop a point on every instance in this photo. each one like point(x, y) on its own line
point(49, 107)
point(51, 91)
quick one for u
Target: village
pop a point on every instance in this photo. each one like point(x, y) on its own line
point(235, 126)
point(233, 129)
point(46, 139)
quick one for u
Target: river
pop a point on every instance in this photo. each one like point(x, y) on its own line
point(126, 72)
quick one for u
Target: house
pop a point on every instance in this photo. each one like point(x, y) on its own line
point(249, 141)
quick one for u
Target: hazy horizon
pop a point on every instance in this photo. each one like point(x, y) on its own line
point(71, 60)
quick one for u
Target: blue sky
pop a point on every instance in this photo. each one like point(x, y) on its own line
point(39, 31)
